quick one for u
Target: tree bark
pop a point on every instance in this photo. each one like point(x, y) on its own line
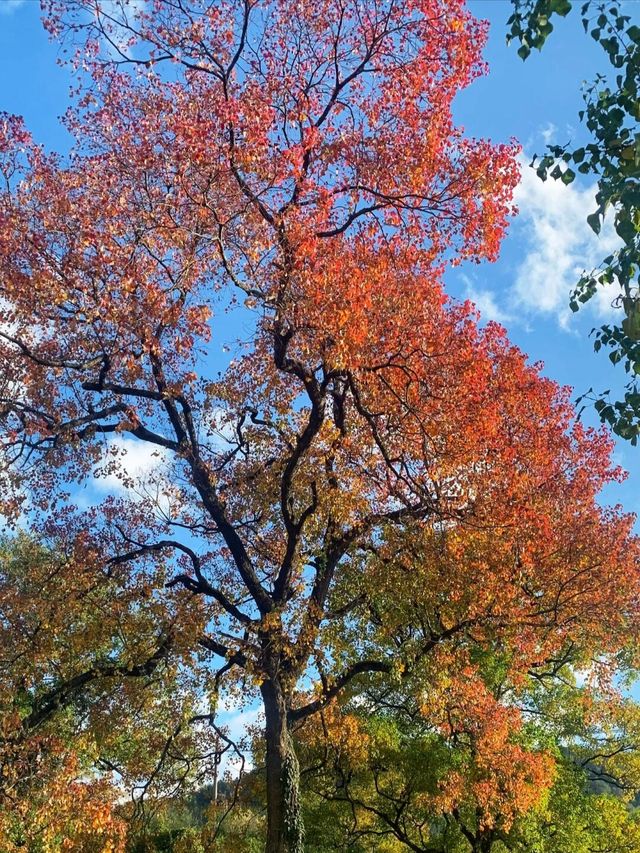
point(285, 830)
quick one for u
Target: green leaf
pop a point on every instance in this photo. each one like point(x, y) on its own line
point(560, 7)
point(626, 229)
point(607, 414)
point(634, 34)
point(594, 222)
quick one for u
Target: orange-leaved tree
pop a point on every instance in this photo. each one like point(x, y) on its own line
point(50, 798)
point(299, 158)
point(100, 697)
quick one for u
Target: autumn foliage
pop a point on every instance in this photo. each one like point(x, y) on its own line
point(44, 806)
point(372, 489)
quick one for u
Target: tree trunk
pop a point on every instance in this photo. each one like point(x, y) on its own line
point(285, 830)
point(484, 842)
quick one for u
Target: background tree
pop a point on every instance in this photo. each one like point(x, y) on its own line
point(45, 803)
point(300, 158)
point(100, 700)
point(613, 156)
point(384, 768)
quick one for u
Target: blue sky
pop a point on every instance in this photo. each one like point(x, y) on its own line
point(549, 244)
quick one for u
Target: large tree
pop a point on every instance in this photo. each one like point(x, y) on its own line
point(299, 158)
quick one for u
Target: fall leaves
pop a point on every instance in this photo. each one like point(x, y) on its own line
point(374, 501)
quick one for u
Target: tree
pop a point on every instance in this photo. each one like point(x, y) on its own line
point(300, 158)
point(553, 768)
point(100, 699)
point(50, 799)
point(613, 157)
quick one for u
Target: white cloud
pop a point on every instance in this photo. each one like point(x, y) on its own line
point(558, 246)
point(237, 726)
point(222, 430)
point(552, 245)
point(130, 466)
point(548, 133)
point(240, 722)
point(8, 7)
point(117, 45)
point(236, 717)
point(486, 302)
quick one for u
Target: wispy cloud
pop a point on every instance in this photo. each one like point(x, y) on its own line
point(548, 133)
point(8, 7)
point(486, 301)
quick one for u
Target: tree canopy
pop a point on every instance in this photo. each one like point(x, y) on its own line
point(372, 491)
